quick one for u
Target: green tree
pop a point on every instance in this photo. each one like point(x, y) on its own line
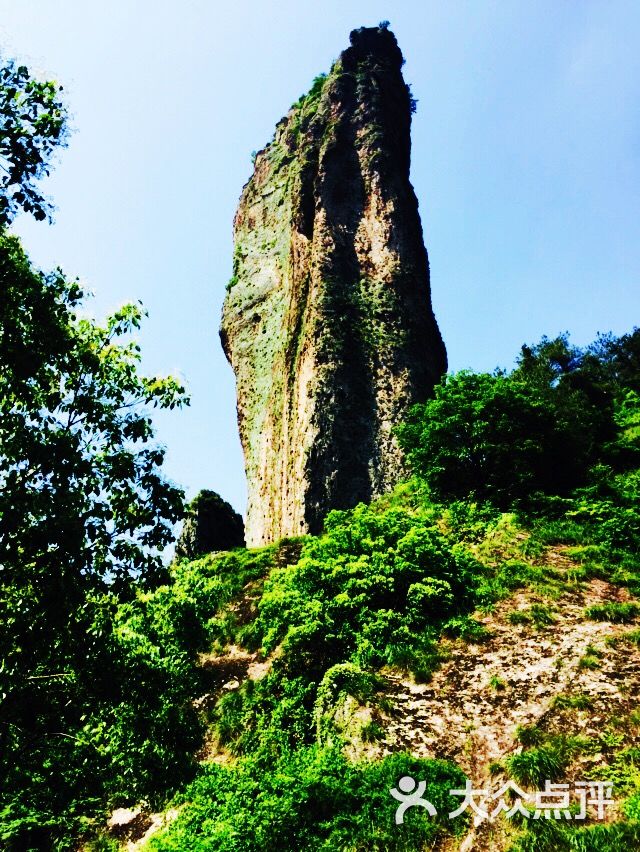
point(619, 358)
point(84, 515)
point(96, 670)
point(80, 473)
point(501, 438)
point(33, 123)
point(603, 379)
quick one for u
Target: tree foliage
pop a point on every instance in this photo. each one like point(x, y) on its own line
point(314, 799)
point(505, 437)
point(82, 490)
point(33, 123)
point(84, 515)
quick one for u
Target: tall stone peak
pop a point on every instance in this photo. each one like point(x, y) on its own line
point(374, 44)
point(327, 321)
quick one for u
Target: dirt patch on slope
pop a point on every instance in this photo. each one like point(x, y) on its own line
point(470, 710)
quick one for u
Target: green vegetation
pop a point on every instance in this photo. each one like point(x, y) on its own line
point(589, 662)
point(534, 765)
point(552, 836)
point(95, 677)
point(380, 586)
point(540, 615)
point(577, 702)
point(591, 658)
point(371, 590)
point(113, 665)
point(313, 94)
point(312, 799)
point(497, 683)
point(618, 613)
point(466, 628)
point(633, 636)
point(546, 761)
point(530, 735)
point(371, 732)
point(93, 685)
point(519, 616)
point(538, 431)
point(624, 772)
point(33, 122)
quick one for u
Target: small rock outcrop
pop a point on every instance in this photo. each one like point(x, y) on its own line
point(327, 321)
point(211, 524)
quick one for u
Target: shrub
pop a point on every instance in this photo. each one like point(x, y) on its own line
point(551, 836)
point(519, 616)
point(466, 628)
point(581, 701)
point(530, 735)
point(372, 591)
point(341, 679)
point(313, 799)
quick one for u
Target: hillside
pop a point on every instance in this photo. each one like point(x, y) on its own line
point(476, 626)
point(539, 680)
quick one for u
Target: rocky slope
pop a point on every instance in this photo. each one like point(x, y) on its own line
point(327, 320)
point(542, 665)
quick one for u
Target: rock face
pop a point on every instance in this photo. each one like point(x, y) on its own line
point(327, 321)
point(211, 524)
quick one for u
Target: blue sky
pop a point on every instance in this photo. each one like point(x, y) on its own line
point(526, 162)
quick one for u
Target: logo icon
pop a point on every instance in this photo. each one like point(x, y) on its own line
point(410, 795)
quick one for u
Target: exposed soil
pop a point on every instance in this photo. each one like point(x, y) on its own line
point(469, 711)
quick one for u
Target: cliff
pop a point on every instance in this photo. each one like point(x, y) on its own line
point(210, 525)
point(327, 321)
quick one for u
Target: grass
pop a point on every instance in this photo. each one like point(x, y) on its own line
point(591, 658)
point(530, 735)
point(548, 761)
point(466, 627)
point(562, 531)
point(588, 662)
point(552, 836)
point(624, 770)
point(519, 616)
point(541, 615)
point(611, 740)
point(516, 573)
point(616, 613)
point(580, 701)
point(371, 732)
